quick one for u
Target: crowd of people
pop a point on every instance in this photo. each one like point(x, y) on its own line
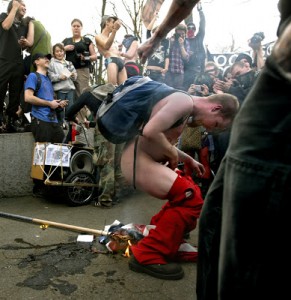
point(238, 115)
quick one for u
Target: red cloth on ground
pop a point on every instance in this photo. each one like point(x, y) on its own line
point(178, 216)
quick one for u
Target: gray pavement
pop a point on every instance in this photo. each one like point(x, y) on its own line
point(51, 264)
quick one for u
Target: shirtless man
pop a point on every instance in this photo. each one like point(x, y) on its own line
point(155, 155)
point(116, 72)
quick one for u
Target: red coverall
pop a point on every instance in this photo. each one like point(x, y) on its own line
point(177, 217)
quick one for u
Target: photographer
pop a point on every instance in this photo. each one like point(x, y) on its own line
point(179, 56)
point(256, 44)
point(80, 51)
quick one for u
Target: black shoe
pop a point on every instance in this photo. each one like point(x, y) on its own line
point(11, 126)
point(38, 194)
point(38, 190)
point(170, 271)
point(103, 204)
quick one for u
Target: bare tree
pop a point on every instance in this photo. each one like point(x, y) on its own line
point(134, 11)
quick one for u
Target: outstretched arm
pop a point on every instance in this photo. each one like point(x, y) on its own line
point(178, 11)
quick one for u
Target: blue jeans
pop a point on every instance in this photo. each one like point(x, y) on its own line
point(244, 227)
point(64, 95)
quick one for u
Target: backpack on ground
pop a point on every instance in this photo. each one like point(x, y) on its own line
point(124, 112)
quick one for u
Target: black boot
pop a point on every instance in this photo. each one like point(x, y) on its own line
point(11, 126)
point(2, 124)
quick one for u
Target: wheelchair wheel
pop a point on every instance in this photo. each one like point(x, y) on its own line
point(80, 195)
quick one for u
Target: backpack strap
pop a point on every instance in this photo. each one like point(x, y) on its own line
point(38, 83)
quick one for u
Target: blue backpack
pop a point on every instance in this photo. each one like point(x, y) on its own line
point(125, 111)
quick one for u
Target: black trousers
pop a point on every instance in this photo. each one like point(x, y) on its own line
point(45, 132)
point(245, 221)
point(11, 79)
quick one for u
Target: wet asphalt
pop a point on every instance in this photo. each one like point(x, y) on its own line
point(38, 263)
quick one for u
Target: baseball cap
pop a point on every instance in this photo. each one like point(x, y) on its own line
point(191, 25)
point(244, 56)
point(36, 56)
point(104, 20)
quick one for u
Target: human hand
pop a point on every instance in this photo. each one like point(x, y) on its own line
point(221, 85)
point(16, 5)
point(62, 77)
point(193, 165)
point(54, 104)
point(73, 75)
point(69, 47)
point(23, 42)
point(199, 6)
point(117, 25)
point(181, 41)
point(191, 89)
point(164, 71)
point(87, 124)
point(63, 103)
point(147, 49)
point(204, 90)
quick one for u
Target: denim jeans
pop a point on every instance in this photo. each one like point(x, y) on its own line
point(244, 227)
point(67, 95)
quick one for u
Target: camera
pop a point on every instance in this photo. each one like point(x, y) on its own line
point(257, 38)
point(198, 88)
point(177, 36)
point(86, 55)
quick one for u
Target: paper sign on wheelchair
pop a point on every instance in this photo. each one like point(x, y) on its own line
point(39, 154)
point(58, 155)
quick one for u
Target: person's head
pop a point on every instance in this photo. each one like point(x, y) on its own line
point(77, 27)
point(204, 78)
point(227, 74)
point(181, 30)
point(41, 61)
point(107, 21)
point(217, 112)
point(59, 51)
point(239, 68)
point(245, 58)
point(21, 11)
point(127, 41)
point(212, 69)
point(243, 75)
point(191, 29)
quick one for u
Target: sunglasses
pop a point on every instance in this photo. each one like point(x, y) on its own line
point(191, 27)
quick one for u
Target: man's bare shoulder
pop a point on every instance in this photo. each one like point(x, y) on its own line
point(179, 101)
point(100, 37)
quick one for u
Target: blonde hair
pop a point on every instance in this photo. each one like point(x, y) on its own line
point(229, 103)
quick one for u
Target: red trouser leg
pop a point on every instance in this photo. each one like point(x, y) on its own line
point(178, 215)
point(204, 159)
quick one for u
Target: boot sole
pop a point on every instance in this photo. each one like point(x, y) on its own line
point(136, 267)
